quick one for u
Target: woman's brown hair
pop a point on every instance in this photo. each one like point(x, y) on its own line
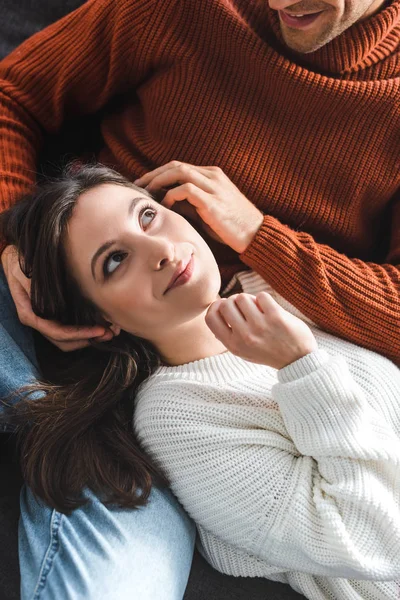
point(76, 431)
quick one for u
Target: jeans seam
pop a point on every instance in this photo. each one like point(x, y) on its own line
point(55, 523)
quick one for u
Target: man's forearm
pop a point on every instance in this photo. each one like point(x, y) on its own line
point(350, 298)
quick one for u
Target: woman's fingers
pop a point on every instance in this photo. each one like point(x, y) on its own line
point(244, 311)
point(232, 315)
point(226, 319)
point(248, 306)
point(218, 325)
point(259, 330)
point(266, 303)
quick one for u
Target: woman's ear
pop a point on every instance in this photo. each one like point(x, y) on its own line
point(116, 329)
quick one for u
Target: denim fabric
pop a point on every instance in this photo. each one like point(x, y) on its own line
point(97, 552)
point(17, 353)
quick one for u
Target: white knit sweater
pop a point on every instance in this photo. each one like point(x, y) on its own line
point(293, 475)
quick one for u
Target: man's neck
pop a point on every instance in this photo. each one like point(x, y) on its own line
point(375, 8)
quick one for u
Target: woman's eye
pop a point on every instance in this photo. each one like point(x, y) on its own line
point(112, 262)
point(147, 216)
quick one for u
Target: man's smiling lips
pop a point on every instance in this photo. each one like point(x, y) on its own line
point(182, 274)
point(300, 20)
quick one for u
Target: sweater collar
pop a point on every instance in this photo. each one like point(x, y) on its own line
point(222, 368)
point(361, 46)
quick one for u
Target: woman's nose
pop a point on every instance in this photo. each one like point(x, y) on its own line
point(162, 253)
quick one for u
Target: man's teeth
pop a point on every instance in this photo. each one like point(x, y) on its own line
point(302, 15)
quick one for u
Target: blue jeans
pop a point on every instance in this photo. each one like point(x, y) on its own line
point(98, 552)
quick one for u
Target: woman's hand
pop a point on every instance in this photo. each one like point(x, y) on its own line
point(257, 329)
point(67, 338)
point(219, 203)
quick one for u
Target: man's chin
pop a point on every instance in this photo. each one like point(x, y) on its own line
point(302, 44)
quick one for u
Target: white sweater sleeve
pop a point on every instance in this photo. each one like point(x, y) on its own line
point(325, 502)
point(353, 495)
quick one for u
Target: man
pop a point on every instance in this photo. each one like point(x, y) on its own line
point(297, 102)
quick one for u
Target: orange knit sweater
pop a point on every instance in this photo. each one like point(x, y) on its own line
point(313, 140)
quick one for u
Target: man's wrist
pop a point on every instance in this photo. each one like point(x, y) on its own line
point(250, 232)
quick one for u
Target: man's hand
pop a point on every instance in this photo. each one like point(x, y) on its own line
point(257, 329)
point(67, 338)
point(219, 203)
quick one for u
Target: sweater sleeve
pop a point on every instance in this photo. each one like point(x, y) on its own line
point(326, 502)
point(356, 300)
point(72, 68)
point(355, 489)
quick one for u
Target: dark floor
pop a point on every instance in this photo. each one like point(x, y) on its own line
point(9, 513)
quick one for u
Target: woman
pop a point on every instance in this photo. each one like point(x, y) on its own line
point(281, 441)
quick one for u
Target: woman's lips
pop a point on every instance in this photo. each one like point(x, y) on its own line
point(184, 276)
point(298, 22)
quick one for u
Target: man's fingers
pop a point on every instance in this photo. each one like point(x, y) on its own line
point(68, 346)
point(146, 179)
point(65, 333)
point(108, 335)
point(174, 164)
point(66, 337)
point(185, 209)
point(190, 192)
point(21, 299)
point(180, 175)
point(52, 329)
point(24, 282)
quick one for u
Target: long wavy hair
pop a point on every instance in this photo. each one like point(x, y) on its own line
point(75, 431)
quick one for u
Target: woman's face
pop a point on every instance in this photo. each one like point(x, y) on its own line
point(127, 252)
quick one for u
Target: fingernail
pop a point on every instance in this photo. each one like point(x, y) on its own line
point(137, 181)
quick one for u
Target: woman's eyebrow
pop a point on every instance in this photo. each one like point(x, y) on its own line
point(108, 244)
